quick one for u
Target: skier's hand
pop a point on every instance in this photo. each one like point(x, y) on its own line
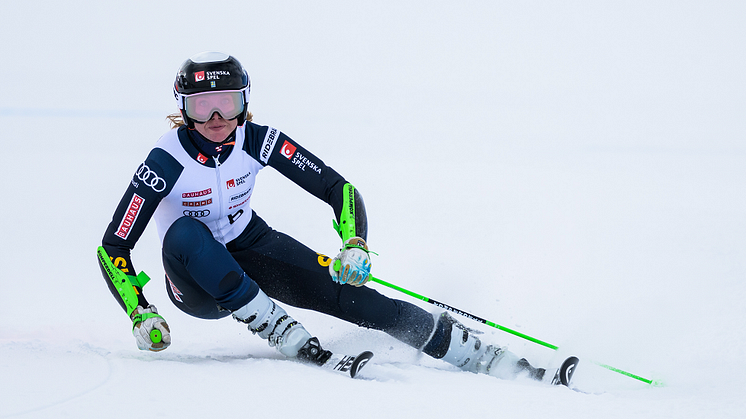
point(352, 265)
point(150, 329)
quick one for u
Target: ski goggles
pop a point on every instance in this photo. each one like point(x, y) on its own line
point(201, 106)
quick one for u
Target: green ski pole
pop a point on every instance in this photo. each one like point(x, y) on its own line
point(503, 328)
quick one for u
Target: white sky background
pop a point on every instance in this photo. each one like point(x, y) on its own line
point(574, 170)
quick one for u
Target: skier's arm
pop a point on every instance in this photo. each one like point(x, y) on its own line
point(273, 148)
point(127, 225)
point(352, 264)
point(153, 180)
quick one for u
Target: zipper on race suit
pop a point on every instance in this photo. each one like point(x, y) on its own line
point(221, 239)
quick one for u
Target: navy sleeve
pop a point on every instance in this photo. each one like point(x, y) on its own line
point(275, 149)
point(152, 181)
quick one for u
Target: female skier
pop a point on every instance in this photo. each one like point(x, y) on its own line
point(222, 259)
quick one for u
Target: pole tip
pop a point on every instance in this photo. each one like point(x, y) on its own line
point(657, 383)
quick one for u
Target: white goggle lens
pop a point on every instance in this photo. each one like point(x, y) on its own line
point(201, 106)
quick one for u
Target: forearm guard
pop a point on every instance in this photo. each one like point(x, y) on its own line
point(127, 289)
point(353, 222)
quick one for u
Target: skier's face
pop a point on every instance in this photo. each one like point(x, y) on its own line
point(216, 129)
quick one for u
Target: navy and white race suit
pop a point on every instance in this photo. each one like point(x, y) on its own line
point(210, 235)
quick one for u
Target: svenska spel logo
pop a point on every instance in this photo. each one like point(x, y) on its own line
point(199, 76)
point(288, 150)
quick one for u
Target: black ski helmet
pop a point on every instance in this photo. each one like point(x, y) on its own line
point(207, 72)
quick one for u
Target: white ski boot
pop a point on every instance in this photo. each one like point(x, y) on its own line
point(271, 322)
point(458, 345)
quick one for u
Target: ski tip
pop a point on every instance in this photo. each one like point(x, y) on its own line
point(359, 362)
point(565, 372)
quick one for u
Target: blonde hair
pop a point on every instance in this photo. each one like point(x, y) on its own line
point(176, 120)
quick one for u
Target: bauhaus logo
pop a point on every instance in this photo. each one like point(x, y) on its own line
point(130, 216)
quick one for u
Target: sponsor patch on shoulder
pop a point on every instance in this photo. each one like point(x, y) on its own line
point(288, 150)
point(270, 140)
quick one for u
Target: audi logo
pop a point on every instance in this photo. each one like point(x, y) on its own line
point(150, 178)
point(197, 214)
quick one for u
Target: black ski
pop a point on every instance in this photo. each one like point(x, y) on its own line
point(313, 353)
point(348, 363)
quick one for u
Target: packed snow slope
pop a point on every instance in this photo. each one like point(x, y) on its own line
point(571, 170)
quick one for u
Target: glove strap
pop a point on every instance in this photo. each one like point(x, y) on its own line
point(356, 242)
point(141, 317)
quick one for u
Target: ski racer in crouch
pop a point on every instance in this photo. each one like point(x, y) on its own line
point(220, 258)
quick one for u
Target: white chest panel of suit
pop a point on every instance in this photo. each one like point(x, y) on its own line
point(218, 196)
